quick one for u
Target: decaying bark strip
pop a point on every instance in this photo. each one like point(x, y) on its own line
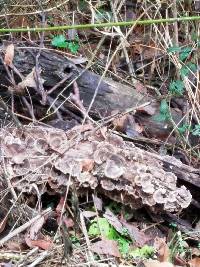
point(91, 160)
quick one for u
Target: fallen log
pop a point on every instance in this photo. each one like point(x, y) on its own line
point(111, 95)
point(91, 160)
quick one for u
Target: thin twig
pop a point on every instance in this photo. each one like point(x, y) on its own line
point(42, 256)
point(59, 84)
point(37, 65)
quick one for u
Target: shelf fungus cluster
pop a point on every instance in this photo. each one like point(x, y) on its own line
point(51, 158)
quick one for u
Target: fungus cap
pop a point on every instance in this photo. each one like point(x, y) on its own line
point(114, 167)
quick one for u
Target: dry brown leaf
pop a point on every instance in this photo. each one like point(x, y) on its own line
point(136, 235)
point(98, 203)
point(179, 261)
point(106, 247)
point(16, 245)
point(127, 124)
point(119, 123)
point(162, 249)
point(114, 221)
point(68, 222)
point(140, 87)
point(195, 262)
point(43, 244)
point(59, 207)
point(154, 263)
point(35, 228)
point(149, 109)
point(29, 81)
point(9, 55)
point(196, 252)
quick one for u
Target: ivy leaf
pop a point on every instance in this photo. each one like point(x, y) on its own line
point(164, 108)
point(196, 130)
point(176, 87)
point(183, 128)
point(174, 49)
point(59, 41)
point(185, 52)
point(101, 226)
point(164, 114)
point(142, 253)
point(124, 246)
point(161, 117)
point(73, 47)
point(189, 67)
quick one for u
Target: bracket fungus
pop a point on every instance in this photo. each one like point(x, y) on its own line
point(102, 152)
point(116, 168)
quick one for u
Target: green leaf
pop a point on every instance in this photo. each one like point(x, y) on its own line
point(173, 225)
point(124, 245)
point(101, 226)
point(73, 47)
point(142, 253)
point(189, 67)
point(82, 5)
point(174, 49)
point(183, 128)
point(161, 117)
point(164, 114)
point(185, 52)
point(59, 41)
point(75, 240)
point(164, 108)
point(176, 88)
point(196, 130)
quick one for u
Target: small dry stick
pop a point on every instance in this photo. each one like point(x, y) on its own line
point(59, 83)
point(42, 256)
point(86, 236)
point(23, 262)
point(38, 78)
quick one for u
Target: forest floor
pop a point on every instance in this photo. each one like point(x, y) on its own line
point(43, 224)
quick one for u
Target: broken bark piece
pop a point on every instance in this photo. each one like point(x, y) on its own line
point(127, 174)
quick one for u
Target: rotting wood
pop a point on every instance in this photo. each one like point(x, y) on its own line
point(55, 67)
point(91, 160)
point(111, 96)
